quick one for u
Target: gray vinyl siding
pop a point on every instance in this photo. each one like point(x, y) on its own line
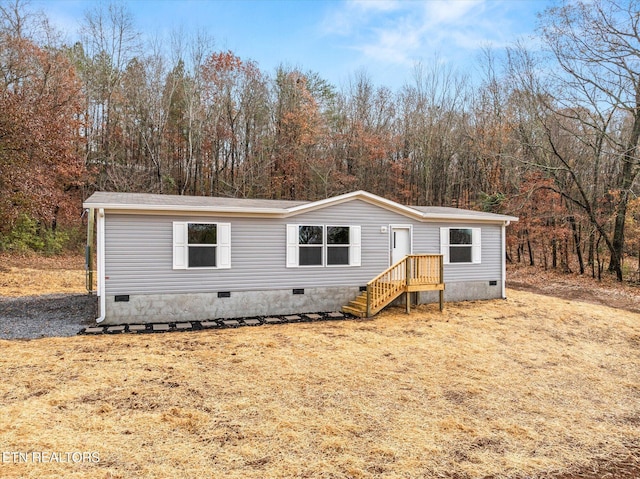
point(490, 269)
point(139, 249)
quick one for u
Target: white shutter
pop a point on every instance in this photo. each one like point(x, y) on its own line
point(355, 247)
point(292, 246)
point(476, 245)
point(224, 245)
point(180, 238)
point(444, 244)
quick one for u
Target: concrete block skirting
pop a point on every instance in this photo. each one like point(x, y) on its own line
point(169, 308)
point(455, 292)
point(467, 291)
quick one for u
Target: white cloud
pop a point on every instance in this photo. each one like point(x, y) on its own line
point(439, 11)
point(352, 15)
point(375, 5)
point(399, 32)
point(393, 45)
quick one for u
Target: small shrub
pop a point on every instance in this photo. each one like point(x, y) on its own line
point(29, 236)
point(23, 237)
point(54, 241)
point(77, 239)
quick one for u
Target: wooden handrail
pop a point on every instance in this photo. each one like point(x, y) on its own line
point(412, 270)
point(424, 269)
point(387, 270)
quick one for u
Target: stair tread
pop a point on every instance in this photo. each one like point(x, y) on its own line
point(355, 312)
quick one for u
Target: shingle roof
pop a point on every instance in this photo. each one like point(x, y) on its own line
point(282, 208)
point(447, 211)
point(176, 201)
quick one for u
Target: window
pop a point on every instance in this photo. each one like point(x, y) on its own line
point(310, 241)
point(337, 245)
point(460, 245)
point(201, 245)
point(319, 245)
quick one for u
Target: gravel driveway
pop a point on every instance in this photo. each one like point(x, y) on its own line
point(34, 317)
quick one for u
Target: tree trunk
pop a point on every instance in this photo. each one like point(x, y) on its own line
point(565, 257)
point(576, 239)
point(629, 173)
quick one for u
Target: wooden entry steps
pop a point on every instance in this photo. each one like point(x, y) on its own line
point(357, 307)
point(413, 273)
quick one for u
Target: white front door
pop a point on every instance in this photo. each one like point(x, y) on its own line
point(400, 243)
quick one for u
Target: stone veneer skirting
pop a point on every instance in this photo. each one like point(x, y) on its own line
point(169, 308)
point(467, 291)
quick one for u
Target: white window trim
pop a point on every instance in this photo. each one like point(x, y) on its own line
point(293, 251)
point(476, 244)
point(181, 245)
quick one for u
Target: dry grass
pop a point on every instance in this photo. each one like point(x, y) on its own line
point(607, 292)
point(522, 387)
point(31, 275)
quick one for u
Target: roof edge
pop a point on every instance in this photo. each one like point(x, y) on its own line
point(497, 219)
point(184, 209)
point(285, 212)
point(360, 194)
point(396, 207)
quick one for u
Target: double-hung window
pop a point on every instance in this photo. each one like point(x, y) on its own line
point(201, 245)
point(338, 243)
point(323, 245)
point(460, 245)
point(311, 245)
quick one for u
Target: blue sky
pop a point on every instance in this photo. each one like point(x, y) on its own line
point(335, 38)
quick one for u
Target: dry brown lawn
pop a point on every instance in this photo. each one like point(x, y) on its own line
point(35, 275)
point(528, 387)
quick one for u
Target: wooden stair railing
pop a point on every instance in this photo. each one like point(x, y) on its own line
point(416, 272)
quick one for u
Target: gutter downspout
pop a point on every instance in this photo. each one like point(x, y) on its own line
point(89, 251)
point(504, 258)
point(100, 261)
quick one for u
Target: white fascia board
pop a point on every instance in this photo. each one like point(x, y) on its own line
point(472, 218)
point(229, 210)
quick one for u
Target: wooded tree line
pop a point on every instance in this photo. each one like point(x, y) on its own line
point(549, 134)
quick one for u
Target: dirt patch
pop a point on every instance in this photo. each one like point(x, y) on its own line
point(626, 467)
point(574, 287)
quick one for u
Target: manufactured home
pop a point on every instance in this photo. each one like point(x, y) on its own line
point(163, 258)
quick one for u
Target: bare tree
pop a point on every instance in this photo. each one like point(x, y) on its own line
point(433, 109)
point(109, 42)
point(597, 46)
